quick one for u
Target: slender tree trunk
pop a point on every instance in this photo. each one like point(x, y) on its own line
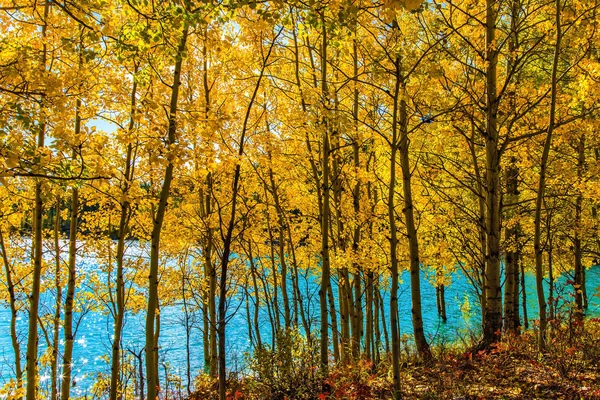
point(325, 212)
point(268, 304)
point(228, 234)
point(324, 255)
point(357, 313)
point(205, 331)
point(151, 344)
point(211, 360)
point(511, 284)
point(344, 292)
point(357, 316)
point(373, 334)
point(305, 323)
point(345, 302)
point(411, 231)
point(551, 284)
point(34, 298)
point(493, 293)
point(140, 366)
point(38, 212)
point(345, 297)
point(156, 338)
point(369, 351)
point(537, 240)
point(516, 317)
point(509, 288)
point(187, 321)
point(210, 271)
point(72, 282)
point(281, 249)
point(115, 368)
point(441, 295)
point(13, 312)
point(394, 239)
point(274, 268)
point(384, 323)
point(58, 303)
point(481, 260)
point(334, 325)
point(315, 173)
point(69, 300)
point(524, 296)
point(376, 329)
point(223, 283)
point(256, 295)
point(584, 289)
point(511, 268)
point(248, 313)
point(295, 282)
point(579, 283)
point(443, 302)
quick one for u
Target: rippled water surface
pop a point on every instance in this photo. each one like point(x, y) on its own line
point(94, 333)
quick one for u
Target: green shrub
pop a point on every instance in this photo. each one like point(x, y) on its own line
point(290, 371)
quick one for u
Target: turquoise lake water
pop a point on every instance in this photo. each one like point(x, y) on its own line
point(94, 334)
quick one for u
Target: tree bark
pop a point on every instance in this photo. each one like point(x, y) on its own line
point(441, 301)
point(13, 312)
point(325, 212)
point(511, 284)
point(69, 300)
point(411, 230)
point(151, 344)
point(524, 296)
point(34, 298)
point(123, 231)
point(493, 293)
point(357, 313)
point(256, 295)
point(296, 284)
point(335, 340)
point(391, 209)
point(579, 282)
point(58, 302)
point(228, 234)
point(281, 249)
point(537, 240)
point(72, 281)
point(369, 342)
point(206, 202)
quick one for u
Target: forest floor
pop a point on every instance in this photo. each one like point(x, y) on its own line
point(512, 369)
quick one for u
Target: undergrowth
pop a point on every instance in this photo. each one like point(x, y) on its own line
point(512, 368)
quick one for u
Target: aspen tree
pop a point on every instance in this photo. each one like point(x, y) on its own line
point(58, 302)
point(512, 253)
point(539, 272)
point(227, 234)
point(394, 234)
point(151, 316)
point(72, 263)
point(34, 298)
point(493, 293)
point(122, 233)
point(13, 311)
point(325, 210)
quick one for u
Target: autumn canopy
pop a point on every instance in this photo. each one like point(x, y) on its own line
point(222, 158)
